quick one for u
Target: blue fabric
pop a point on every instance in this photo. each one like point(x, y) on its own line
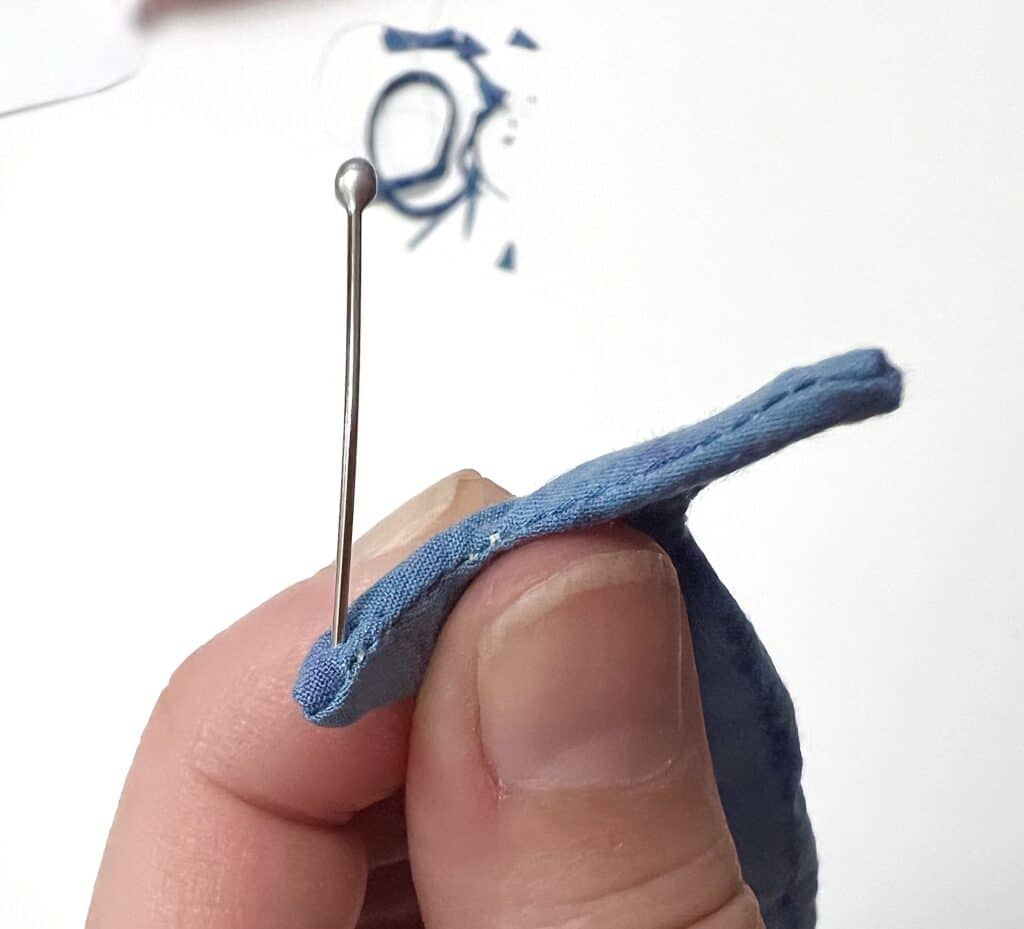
point(748, 713)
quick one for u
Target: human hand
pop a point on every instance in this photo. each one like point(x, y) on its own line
point(553, 771)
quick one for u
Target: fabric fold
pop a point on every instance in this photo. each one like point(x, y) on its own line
point(393, 625)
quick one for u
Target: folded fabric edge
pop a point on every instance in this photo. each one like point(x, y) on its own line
point(804, 401)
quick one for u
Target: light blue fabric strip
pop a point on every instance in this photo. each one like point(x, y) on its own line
point(393, 626)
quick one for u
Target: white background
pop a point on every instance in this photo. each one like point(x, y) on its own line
point(703, 194)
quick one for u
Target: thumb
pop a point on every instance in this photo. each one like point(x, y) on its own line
point(559, 772)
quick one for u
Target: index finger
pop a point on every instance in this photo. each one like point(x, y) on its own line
point(234, 810)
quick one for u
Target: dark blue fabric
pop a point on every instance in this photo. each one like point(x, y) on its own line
point(753, 739)
point(749, 717)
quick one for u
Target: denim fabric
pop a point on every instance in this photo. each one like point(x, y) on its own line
point(748, 713)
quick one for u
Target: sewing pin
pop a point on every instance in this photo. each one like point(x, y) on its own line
point(355, 185)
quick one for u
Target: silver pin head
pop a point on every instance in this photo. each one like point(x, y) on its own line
point(355, 185)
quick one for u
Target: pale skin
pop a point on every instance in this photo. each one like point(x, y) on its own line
point(552, 773)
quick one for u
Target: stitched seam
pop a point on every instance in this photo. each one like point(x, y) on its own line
point(480, 558)
point(706, 441)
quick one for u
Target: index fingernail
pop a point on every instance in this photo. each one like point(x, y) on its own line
point(431, 510)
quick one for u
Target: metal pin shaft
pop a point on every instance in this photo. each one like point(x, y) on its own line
point(355, 186)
